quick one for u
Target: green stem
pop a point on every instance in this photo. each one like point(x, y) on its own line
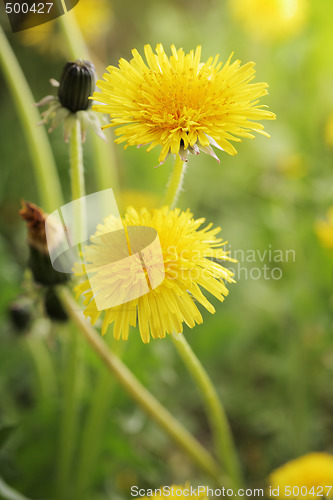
point(105, 160)
point(69, 418)
point(75, 42)
point(221, 431)
point(91, 437)
point(94, 428)
point(43, 365)
point(69, 422)
point(175, 183)
point(42, 158)
point(297, 396)
point(76, 160)
point(141, 395)
point(77, 181)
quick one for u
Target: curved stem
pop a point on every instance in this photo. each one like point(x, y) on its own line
point(7, 492)
point(46, 174)
point(225, 447)
point(141, 395)
point(175, 183)
point(105, 163)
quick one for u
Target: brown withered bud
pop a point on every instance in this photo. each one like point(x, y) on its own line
point(39, 260)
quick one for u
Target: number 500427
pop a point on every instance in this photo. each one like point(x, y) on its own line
point(303, 491)
point(24, 8)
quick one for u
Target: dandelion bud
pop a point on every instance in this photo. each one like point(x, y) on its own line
point(21, 313)
point(39, 260)
point(77, 84)
point(53, 306)
point(72, 103)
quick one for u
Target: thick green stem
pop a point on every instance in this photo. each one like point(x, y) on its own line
point(69, 418)
point(92, 431)
point(141, 395)
point(76, 161)
point(105, 160)
point(44, 367)
point(76, 45)
point(94, 427)
point(77, 182)
point(225, 447)
point(43, 161)
point(175, 183)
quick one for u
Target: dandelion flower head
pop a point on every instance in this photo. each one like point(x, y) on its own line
point(312, 471)
point(180, 103)
point(191, 255)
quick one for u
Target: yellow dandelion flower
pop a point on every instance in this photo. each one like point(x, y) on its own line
point(94, 18)
point(177, 491)
point(324, 229)
point(190, 255)
point(306, 477)
point(180, 103)
point(270, 19)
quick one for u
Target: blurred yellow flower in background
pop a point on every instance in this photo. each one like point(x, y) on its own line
point(187, 256)
point(270, 19)
point(292, 166)
point(314, 470)
point(137, 199)
point(180, 103)
point(94, 18)
point(328, 132)
point(324, 229)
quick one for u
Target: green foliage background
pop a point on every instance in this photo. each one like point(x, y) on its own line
point(269, 346)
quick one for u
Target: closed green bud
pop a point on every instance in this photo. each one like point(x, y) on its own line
point(21, 313)
point(77, 84)
point(53, 306)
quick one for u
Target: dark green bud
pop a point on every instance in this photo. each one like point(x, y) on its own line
point(42, 269)
point(77, 83)
point(21, 313)
point(53, 306)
